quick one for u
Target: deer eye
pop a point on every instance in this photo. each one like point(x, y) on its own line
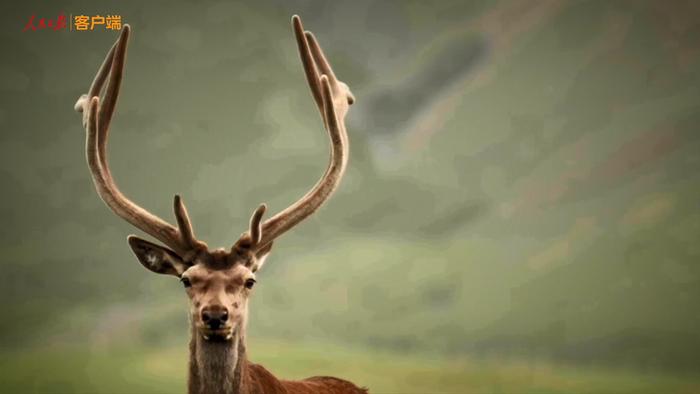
point(186, 282)
point(250, 283)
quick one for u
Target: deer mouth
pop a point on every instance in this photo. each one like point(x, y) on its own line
point(218, 335)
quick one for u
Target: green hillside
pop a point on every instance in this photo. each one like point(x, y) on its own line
point(541, 205)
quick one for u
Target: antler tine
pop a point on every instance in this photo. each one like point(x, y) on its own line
point(184, 224)
point(96, 86)
point(250, 240)
point(255, 227)
point(96, 119)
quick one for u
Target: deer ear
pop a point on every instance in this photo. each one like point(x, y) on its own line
point(261, 256)
point(157, 258)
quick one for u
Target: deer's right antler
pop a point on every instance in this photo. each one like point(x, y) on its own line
point(96, 120)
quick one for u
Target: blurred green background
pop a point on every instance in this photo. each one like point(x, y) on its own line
point(520, 213)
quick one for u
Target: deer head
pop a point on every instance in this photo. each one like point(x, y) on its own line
point(219, 281)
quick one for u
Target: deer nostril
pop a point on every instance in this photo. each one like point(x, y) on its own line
point(214, 317)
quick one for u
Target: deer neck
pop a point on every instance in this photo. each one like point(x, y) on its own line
point(217, 367)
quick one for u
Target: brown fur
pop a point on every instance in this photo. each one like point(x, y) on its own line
point(223, 368)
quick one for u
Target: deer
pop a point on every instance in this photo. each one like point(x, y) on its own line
point(219, 282)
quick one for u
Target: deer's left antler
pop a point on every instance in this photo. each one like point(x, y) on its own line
point(333, 99)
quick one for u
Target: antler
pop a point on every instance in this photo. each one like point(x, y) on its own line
point(96, 119)
point(333, 99)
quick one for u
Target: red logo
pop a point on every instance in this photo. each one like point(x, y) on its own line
point(44, 23)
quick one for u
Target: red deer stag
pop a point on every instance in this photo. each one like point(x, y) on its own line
point(219, 282)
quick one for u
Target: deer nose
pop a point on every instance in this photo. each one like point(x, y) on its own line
point(214, 316)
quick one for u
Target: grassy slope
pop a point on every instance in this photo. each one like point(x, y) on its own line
point(162, 370)
point(572, 172)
